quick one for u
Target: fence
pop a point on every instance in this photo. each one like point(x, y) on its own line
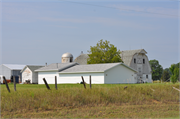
point(45, 82)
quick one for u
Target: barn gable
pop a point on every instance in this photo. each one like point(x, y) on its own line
point(127, 55)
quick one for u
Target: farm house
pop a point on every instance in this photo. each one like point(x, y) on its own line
point(28, 74)
point(9, 70)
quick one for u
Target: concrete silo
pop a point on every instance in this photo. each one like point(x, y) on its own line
point(67, 57)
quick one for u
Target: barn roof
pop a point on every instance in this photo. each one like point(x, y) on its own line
point(127, 55)
point(93, 68)
point(82, 59)
point(32, 67)
point(56, 67)
point(14, 66)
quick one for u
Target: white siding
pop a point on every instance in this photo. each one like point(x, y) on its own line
point(49, 76)
point(27, 75)
point(5, 71)
point(149, 80)
point(119, 74)
point(96, 78)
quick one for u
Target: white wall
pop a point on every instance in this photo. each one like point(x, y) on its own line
point(119, 74)
point(5, 71)
point(96, 78)
point(149, 79)
point(49, 76)
point(27, 75)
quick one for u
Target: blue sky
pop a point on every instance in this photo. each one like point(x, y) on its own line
point(40, 31)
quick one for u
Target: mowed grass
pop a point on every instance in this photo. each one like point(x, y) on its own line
point(102, 101)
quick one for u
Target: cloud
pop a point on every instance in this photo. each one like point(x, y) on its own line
point(146, 11)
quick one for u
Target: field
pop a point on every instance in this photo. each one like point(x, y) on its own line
point(102, 101)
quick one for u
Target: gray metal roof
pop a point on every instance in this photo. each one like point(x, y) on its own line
point(92, 68)
point(68, 55)
point(56, 67)
point(82, 59)
point(32, 67)
point(127, 55)
point(14, 66)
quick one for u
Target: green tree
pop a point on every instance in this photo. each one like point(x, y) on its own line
point(175, 72)
point(104, 52)
point(165, 75)
point(156, 69)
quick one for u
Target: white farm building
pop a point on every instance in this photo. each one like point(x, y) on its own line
point(136, 59)
point(28, 74)
point(108, 73)
point(9, 70)
point(71, 72)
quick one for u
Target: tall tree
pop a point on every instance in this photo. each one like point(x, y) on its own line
point(156, 69)
point(104, 52)
point(165, 75)
point(175, 72)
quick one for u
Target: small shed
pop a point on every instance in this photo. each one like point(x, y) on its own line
point(9, 70)
point(29, 74)
point(107, 73)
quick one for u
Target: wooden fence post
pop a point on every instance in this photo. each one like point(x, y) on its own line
point(56, 82)
point(90, 80)
point(83, 82)
point(47, 86)
point(14, 81)
point(6, 83)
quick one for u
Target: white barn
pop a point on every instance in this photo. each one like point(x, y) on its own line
point(28, 73)
point(138, 60)
point(9, 70)
point(108, 73)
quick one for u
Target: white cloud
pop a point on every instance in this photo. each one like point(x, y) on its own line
point(147, 11)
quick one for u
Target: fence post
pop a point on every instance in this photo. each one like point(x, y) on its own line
point(47, 86)
point(6, 83)
point(90, 80)
point(56, 82)
point(83, 82)
point(14, 81)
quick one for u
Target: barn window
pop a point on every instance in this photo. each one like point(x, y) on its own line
point(143, 61)
point(134, 60)
point(147, 76)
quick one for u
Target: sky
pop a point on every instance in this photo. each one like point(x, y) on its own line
point(41, 31)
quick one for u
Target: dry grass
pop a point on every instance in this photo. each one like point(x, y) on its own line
point(102, 101)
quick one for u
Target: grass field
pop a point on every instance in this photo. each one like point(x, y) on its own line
point(102, 101)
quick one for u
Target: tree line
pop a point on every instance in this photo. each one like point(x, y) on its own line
point(167, 74)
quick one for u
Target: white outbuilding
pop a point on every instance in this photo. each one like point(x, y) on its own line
point(28, 74)
point(107, 73)
point(9, 70)
point(50, 71)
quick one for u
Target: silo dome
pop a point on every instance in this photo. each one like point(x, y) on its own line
point(67, 57)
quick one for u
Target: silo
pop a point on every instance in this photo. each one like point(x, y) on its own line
point(67, 57)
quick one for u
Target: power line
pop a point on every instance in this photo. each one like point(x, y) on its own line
point(119, 8)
